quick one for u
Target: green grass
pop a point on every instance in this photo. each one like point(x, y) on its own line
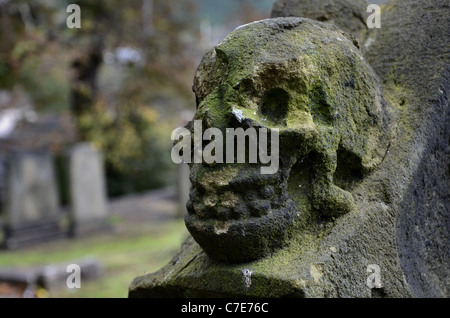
point(125, 254)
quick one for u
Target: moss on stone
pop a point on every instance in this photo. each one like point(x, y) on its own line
point(328, 256)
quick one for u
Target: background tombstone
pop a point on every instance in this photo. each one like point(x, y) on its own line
point(88, 212)
point(30, 200)
point(183, 186)
point(183, 183)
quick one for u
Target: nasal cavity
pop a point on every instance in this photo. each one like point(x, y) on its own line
point(274, 107)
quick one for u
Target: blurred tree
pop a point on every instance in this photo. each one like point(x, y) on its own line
point(60, 66)
point(30, 54)
point(6, 43)
point(156, 85)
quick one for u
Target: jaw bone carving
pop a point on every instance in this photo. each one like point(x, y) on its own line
point(309, 80)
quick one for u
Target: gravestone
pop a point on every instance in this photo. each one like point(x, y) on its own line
point(87, 192)
point(30, 210)
point(393, 240)
point(183, 184)
point(52, 277)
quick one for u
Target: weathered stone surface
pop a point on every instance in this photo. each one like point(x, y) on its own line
point(401, 219)
point(348, 15)
point(411, 53)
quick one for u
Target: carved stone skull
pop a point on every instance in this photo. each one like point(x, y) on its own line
point(309, 80)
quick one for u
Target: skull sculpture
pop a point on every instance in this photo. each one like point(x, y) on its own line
point(309, 80)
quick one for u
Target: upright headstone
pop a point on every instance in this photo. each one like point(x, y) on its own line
point(183, 183)
point(30, 200)
point(88, 213)
point(183, 187)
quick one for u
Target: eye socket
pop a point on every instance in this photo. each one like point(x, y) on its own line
point(274, 106)
point(319, 106)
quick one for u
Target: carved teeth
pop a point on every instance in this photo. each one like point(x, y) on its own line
point(251, 195)
point(198, 210)
point(267, 192)
point(210, 200)
point(229, 199)
point(240, 211)
point(221, 227)
point(223, 204)
point(224, 213)
point(260, 207)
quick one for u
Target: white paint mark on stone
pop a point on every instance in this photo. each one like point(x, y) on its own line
point(247, 277)
point(238, 114)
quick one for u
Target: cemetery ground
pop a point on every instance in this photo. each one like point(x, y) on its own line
point(145, 235)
